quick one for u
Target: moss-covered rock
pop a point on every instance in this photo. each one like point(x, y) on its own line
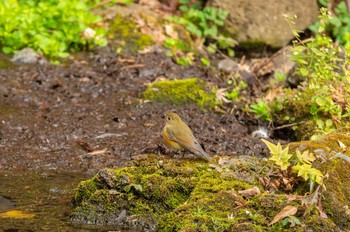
point(158, 193)
point(179, 92)
point(162, 193)
point(126, 37)
point(336, 195)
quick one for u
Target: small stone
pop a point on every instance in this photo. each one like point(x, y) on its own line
point(228, 66)
point(26, 56)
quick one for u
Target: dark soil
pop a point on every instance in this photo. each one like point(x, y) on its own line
point(52, 116)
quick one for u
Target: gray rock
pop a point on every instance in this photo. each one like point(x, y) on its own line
point(282, 61)
point(26, 56)
point(257, 21)
point(228, 66)
point(6, 204)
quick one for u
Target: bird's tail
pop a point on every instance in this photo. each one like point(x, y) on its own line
point(201, 152)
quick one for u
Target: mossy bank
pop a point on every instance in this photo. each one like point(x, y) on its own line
point(155, 193)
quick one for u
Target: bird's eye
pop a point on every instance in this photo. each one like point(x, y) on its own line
point(169, 119)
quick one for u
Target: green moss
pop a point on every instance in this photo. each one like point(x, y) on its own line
point(267, 205)
point(336, 196)
point(191, 195)
point(85, 190)
point(180, 92)
point(179, 194)
point(127, 38)
point(321, 224)
point(253, 45)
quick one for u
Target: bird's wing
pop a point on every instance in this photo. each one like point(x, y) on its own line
point(184, 138)
point(187, 140)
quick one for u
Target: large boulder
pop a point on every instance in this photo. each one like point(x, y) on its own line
point(262, 22)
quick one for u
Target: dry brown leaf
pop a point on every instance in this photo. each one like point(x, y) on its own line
point(261, 181)
point(320, 210)
point(292, 197)
point(222, 161)
point(250, 192)
point(285, 212)
point(341, 145)
point(85, 146)
point(289, 187)
point(171, 32)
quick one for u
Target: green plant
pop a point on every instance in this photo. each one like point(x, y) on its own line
point(51, 27)
point(322, 99)
point(179, 51)
point(199, 211)
point(204, 26)
point(237, 87)
point(291, 220)
point(261, 109)
point(279, 78)
point(299, 162)
point(338, 25)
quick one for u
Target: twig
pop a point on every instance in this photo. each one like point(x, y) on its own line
point(132, 66)
point(288, 125)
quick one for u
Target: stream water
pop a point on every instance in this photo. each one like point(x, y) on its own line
point(43, 201)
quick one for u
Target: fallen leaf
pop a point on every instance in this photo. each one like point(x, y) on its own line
point(285, 212)
point(85, 146)
point(171, 32)
point(341, 156)
point(341, 145)
point(320, 210)
point(98, 152)
point(16, 214)
point(222, 161)
point(212, 165)
point(149, 124)
point(250, 192)
point(218, 169)
point(320, 153)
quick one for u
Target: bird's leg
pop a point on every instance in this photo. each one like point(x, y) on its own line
point(183, 154)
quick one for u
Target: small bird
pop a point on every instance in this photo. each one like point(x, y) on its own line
point(178, 135)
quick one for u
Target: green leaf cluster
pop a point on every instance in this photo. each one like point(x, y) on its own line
point(300, 162)
point(325, 92)
point(204, 25)
point(237, 86)
point(321, 101)
point(179, 50)
point(337, 26)
point(52, 27)
point(291, 220)
point(261, 109)
point(279, 155)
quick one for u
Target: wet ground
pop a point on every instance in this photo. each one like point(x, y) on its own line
point(53, 117)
